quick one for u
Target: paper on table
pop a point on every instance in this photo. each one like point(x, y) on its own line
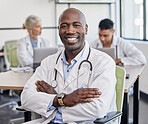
point(22, 69)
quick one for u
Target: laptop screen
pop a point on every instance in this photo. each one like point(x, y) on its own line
point(109, 51)
point(40, 53)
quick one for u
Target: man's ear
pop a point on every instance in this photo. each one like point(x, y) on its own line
point(86, 29)
point(113, 31)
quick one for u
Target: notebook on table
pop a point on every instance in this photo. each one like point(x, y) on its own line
point(40, 53)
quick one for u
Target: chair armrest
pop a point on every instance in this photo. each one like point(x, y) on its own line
point(27, 114)
point(110, 116)
point(20, 108)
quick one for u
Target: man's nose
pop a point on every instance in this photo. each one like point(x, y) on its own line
point(70, 30)
point(102, 38)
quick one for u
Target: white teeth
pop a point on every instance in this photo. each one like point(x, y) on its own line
point(71, 39)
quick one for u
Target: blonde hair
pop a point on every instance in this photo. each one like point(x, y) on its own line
point(30, 21)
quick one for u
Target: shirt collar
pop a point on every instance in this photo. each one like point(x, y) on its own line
point(74, 59)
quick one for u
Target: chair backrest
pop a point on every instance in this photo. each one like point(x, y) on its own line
point(10, 53)
point(120, 76)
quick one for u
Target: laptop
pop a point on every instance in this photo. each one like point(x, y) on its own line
point(40, 53)
point(109, 51)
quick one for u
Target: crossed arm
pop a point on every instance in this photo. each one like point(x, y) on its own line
point(79, 96)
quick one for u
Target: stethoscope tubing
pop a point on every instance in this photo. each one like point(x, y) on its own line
point(55, 83)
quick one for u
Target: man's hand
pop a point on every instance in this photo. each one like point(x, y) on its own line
point(118, 62)
point(42, 86)
point(81, 96)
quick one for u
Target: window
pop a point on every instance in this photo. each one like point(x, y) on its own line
point(85, 1)
point(132, 20)
point(146, 7)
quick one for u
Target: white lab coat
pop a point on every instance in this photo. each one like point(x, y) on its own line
point(103, 77)
point(126, 51)
point(25, 50)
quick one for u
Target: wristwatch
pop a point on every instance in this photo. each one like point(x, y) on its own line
point(60, 99)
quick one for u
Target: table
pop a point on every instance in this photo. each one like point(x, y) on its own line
point(135, 72)
point(14, 80)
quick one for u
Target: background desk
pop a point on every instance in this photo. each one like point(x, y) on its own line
point(14, 80)
point(135, 72)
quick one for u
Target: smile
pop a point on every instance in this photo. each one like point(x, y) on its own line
point(72, 39)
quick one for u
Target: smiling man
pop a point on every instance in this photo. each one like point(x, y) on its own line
point(76, 85)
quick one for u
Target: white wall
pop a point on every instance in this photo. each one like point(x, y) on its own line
point(143, 80)
point(14, 12)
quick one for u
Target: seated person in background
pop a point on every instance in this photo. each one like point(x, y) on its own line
point(25, 45)
point(126, 52)
point(58, 92)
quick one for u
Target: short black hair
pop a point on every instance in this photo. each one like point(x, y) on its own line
point(106, 24)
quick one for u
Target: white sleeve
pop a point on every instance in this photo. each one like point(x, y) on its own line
point(37, 101)
point(132, 55)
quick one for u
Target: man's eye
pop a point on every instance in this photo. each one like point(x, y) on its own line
point(63, 26)
point(77, 26)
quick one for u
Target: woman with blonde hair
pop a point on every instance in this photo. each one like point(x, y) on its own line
point(26, 45)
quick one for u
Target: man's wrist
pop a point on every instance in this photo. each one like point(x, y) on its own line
point(55, 102)
point(60, 99)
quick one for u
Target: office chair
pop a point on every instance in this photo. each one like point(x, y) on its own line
point(10, 54)
point(113, 116)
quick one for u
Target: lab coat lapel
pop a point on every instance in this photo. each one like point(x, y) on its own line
point(39, 44)
point(99, 44)
point(115, 42)
point(59, 68)
point(29, 46)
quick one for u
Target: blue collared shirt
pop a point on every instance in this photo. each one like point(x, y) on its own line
point(66, 70)
point(34, 42)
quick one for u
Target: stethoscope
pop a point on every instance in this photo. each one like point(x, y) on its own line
point(54, 83)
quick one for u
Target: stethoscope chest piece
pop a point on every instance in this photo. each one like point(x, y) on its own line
point(54, 83)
